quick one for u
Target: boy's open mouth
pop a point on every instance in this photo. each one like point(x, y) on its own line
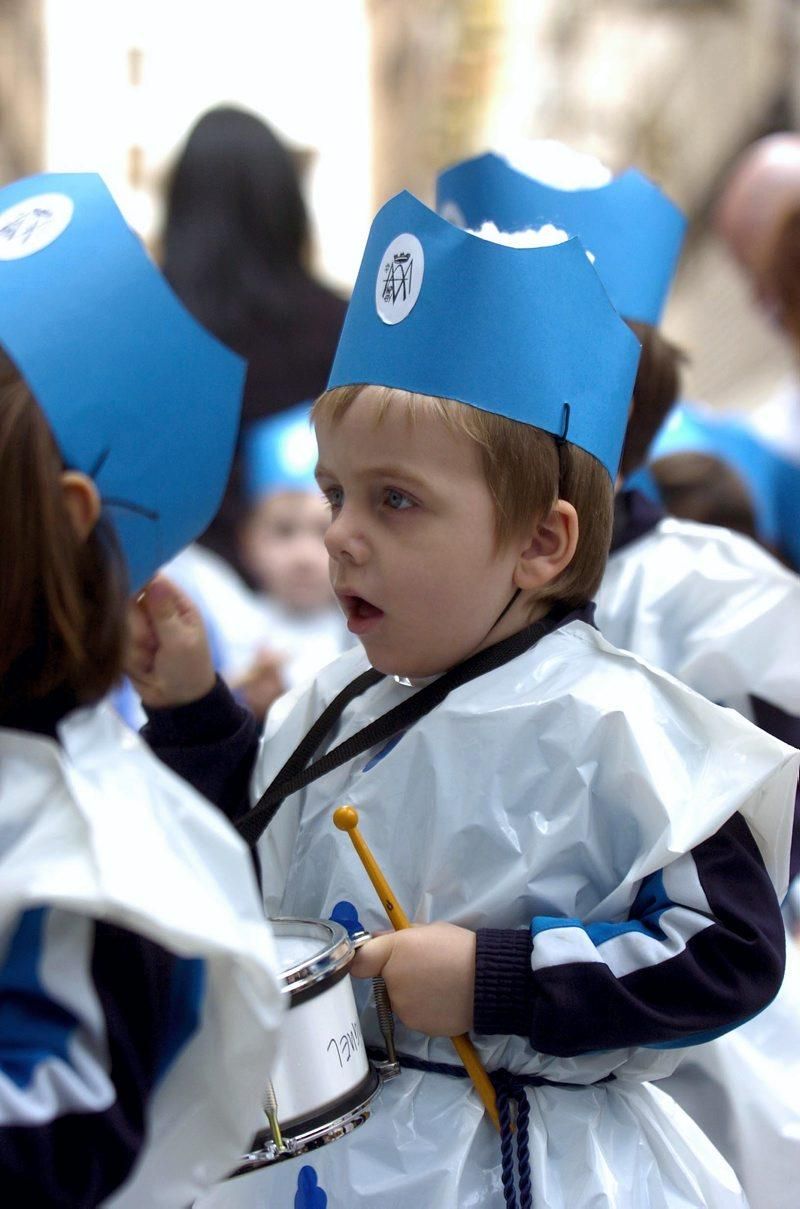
point(361, 615)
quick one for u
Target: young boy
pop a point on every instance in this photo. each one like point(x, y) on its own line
point(707, 605)
point(590, 850)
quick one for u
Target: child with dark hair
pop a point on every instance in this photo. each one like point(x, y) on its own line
point(138, 994)
point(590, 851)
point(699, 487)
point(654, 393)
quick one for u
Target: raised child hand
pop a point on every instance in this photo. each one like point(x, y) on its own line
point(168, 657)
point(429, 973)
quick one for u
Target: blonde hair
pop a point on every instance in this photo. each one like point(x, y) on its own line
point(526, 472)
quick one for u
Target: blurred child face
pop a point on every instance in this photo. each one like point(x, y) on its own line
point(283, 548)
point(414, 558)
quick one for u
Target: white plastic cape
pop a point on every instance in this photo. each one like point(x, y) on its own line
point(711, 608)
point(562, 778)
point(99, 828)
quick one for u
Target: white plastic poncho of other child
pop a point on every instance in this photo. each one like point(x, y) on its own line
point(708, 606)
point(168, 867)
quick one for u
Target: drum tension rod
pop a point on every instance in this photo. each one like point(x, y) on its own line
point(383, 1010)
point(271, 1111)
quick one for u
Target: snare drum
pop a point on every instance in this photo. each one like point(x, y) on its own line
point(323, 1082)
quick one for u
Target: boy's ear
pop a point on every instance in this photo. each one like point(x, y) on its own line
point(551, 548)
point(82, 501)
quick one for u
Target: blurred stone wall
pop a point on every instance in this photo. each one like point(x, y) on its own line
point(435, 67)
point(21, 88)
point(676, 87)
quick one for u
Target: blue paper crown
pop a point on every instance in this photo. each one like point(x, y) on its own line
point(633, 231)
point(281, 453)
point(527, 333)
point(137, 394)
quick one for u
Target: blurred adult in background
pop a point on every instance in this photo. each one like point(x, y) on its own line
point(236, 251)
point(761, 189)
point(758, 218)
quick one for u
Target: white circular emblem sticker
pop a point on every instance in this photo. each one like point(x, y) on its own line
point(31, 225)
point(399, 278)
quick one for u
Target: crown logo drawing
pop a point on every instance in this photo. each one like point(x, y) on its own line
point(398, 277)
point(24, 225)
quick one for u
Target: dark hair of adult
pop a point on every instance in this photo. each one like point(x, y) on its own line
point(236, 231)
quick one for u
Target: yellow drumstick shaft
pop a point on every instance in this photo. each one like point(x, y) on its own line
point(397, 916)
point(346, 819)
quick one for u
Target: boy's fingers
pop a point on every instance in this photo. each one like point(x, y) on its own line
point(140, 628)
point(373, 956)
point(165, 602)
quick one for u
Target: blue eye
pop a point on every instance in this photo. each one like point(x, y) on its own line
point(334, 497)
point(396, 500)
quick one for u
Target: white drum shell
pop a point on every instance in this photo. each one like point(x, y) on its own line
point(322, 1057)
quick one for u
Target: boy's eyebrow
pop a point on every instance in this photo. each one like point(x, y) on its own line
point(382, 470)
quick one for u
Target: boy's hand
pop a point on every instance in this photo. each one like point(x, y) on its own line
point(429, 973)
point(168, 657)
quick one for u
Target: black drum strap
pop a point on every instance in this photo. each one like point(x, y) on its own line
point(297, 772)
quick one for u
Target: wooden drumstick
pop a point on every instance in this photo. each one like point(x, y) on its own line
point(346, 819)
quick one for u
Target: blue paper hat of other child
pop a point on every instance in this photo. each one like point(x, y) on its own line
point(137, 394)
point(280, 453)
point(631, 229)
point(528, 333)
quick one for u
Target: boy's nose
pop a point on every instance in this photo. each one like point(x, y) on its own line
point(345, 541)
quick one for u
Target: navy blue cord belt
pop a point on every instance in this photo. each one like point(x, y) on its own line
point(510, 1090)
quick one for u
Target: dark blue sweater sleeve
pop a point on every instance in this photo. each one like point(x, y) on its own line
point(785, 727)
point(701, 951)
point(71, 1151)
point(212, 743)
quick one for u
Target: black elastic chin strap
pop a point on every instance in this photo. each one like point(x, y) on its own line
point(502, 615)
point(297, 772)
